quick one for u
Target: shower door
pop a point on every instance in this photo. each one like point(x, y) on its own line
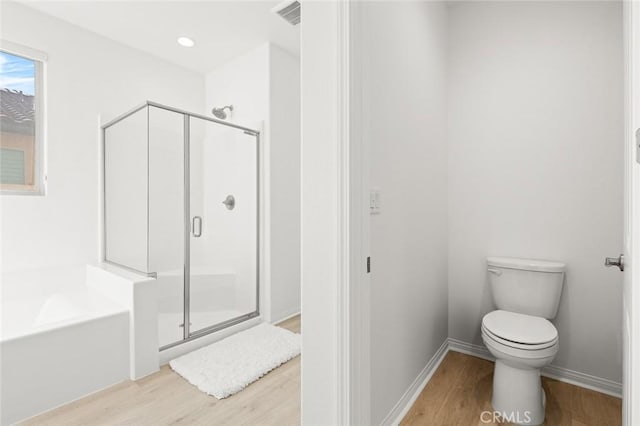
point(181, 204)
point(221, 277)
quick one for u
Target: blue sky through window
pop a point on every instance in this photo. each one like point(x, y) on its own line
point(17, 73)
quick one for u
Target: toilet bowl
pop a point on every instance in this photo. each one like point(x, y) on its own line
point(522, 345)
point(519, 334)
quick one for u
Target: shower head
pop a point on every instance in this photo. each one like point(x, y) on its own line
point(220, 112)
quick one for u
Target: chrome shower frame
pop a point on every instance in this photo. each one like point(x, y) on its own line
point(187, 334)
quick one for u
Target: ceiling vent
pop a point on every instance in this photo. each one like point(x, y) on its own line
point(289, 10)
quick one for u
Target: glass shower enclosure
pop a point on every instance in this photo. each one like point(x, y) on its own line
point(181, 203)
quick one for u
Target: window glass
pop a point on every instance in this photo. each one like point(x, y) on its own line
point(18, 120)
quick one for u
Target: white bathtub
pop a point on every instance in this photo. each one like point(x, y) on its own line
point(59, 341)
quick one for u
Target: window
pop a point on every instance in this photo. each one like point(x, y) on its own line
point(21, 121)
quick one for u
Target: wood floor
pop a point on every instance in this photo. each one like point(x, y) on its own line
point(164, 398)
point(460, 390)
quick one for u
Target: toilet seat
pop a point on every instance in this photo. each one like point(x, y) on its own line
point(500, 350)
point(523, 346)
point(519, 331)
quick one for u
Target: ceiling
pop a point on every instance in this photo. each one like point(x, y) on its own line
point(222, 30)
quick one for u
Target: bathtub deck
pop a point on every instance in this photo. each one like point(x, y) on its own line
point(165, 398)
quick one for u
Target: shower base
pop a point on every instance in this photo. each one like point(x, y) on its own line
point(170, 323)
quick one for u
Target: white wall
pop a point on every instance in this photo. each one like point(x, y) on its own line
point(320, 380)
point(535, 163)
point(284, 194)
point(404, 98)
point(244, 83)
point(90, 79)
point(263, 87)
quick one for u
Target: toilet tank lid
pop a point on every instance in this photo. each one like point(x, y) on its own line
point(526, 264)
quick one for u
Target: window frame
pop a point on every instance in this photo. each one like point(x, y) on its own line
point(39, 58)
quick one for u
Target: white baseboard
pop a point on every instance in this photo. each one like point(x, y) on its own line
point(402, 407)
point(283, 316)
point(562, 374)
point(470, 349)
point(584, 380)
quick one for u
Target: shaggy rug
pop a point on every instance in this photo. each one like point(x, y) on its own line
point(229, 365)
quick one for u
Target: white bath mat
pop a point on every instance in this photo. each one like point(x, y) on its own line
point(228, 366)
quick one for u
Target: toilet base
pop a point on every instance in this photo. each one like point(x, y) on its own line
point(517, 394)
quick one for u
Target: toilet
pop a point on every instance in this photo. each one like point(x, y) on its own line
point(526, 294)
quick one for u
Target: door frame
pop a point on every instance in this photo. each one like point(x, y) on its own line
point(335, 323)
point(631, 292)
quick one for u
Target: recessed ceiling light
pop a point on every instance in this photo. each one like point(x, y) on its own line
point(186, 42)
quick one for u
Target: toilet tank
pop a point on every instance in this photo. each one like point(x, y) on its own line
point(526, 286)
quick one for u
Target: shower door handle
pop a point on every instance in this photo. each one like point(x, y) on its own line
point(196, 230)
